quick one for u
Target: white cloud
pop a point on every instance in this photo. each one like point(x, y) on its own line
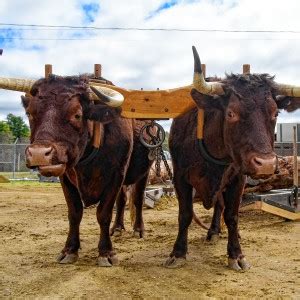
point(135, 59)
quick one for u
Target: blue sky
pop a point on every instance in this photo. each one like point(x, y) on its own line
point(91, 10)
point(164, 6)
point(148, 59)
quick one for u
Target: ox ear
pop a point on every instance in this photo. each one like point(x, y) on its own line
point(287, 103)
point(103, 113)
point(201, 100)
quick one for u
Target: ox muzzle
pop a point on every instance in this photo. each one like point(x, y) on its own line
point(262, 165)
point(43, 157)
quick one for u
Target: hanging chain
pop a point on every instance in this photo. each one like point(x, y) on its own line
point(155, 146)
point(158, 161)
point(166, 164)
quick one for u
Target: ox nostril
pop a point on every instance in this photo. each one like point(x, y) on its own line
point(48, 152)
point(257, 161)
point(28, 152)
point(263, 165)
point(39, 155)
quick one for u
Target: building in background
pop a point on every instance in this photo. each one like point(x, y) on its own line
point(284, 138)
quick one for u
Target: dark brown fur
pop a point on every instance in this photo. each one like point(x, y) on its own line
point(238, 126)
point(59, 111)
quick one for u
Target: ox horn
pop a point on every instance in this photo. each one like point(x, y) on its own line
point(16, 84)
point(107, 95)
point(199, 83)
point(288, 90)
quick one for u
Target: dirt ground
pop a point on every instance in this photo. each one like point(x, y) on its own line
point(33, 229)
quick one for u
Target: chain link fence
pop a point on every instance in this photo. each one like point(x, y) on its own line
point(285, 149)
point(13, 162)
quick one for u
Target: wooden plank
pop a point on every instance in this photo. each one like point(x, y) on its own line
point(97, 70)
point(200, 123)
point(48, 70)
point(246, 69)
point(161, 104)
point(260, 205)
point(295, 153)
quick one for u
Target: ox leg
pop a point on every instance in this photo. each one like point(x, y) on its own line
point(232, 195)
point(185, 200)
point(118, 226)
point(138, 198)
point(215, 227)
point(69, 254)
point(107, 257)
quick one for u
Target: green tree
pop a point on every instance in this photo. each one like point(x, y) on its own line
point(17, 126)
point(4, 127)
point(6, 135)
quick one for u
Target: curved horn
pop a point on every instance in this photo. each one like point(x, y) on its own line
point(107, 95)
point(288, 90)
point(207, 88)
point(16, 84)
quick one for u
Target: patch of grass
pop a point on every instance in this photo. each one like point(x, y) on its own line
point(20, 175)
point(28, 184)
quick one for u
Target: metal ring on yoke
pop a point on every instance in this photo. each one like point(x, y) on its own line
point(156, 140)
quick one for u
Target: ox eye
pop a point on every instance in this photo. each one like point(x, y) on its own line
point(230, 114)
point(78, 117)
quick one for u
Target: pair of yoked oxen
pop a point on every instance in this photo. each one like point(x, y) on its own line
point(239, 121)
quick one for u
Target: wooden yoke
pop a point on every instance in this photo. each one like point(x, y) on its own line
point(159, 104)
point(200, 122)
point(97, 125)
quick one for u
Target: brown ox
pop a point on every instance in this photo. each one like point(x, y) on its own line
point(240, 117)
point(59, 111)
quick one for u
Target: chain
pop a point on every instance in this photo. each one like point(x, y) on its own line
point(166, 164)
point(157, 161)
point(155, 146)
point(160, 156)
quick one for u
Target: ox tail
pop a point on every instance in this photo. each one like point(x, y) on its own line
point(198, 221)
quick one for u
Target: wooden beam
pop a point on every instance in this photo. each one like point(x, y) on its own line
point(260, 205)
point(97, 70)
point(203, 67)
point(295, 154)
point(97, 130)
point(246, 69)
point(162, 104)
point(48, 70)
point(200, 117)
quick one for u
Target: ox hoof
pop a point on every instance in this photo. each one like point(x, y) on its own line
point(107, 261)
point(212, 239)
point(116, 232)
point(173, 262)
point(138, 234)
point(67, 258)
point(238, 264)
